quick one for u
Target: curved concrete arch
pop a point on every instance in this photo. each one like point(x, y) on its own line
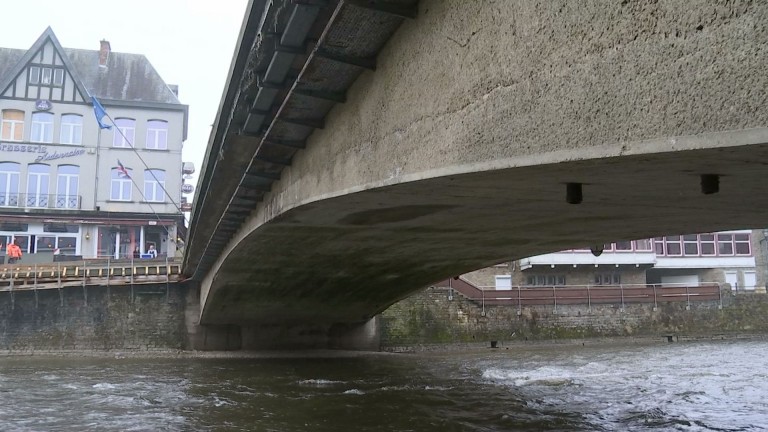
point(454, 154)
point(344, 258)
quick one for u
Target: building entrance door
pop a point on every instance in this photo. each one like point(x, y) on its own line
point(732, 278)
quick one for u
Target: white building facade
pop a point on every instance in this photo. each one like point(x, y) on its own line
point(70, 186)
point(727, 258)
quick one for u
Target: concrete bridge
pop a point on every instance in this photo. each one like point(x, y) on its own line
point(365, 149)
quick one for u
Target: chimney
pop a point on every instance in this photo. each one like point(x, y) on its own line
point(104, 51)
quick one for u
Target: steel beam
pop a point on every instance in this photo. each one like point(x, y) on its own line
point(272, 160)
point(361, 62)
point(310, 123)
point(294, 144)
point(322, 95)
point(402, 11)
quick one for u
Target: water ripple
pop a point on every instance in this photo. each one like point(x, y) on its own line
point(691, 387)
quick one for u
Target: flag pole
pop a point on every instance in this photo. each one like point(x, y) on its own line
point(96, 186)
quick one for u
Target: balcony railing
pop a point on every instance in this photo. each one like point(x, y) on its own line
point(41, 201)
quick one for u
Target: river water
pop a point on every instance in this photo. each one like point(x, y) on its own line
point(718, 386)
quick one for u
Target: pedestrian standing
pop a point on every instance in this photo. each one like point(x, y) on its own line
point(14, 252)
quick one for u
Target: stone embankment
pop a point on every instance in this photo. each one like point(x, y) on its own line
point(440, 316)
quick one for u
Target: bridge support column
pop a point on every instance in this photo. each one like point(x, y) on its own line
point(208, 337)
point(361, 337)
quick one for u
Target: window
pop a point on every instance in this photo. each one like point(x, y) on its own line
point(14, 226)
point(67, 179)
point(71, 129)
point(34, 75)
point(46, 77)
point(23, 242)
point(623, 246)
point(13, 125)
point(154, 182)
point(121, 185)
point(672, 244)
point(608, 279)
point(546, 280)
point(67, 245)
point(37, 185)
point(691, 244)
point(42, 127)
point(60, 228)
point(704, 245)
point(9, 184)
point(124, 133)
point(742, 243)
point(707, 244)
point(58, 77)
point(725, 244)
point(643, 245)
point(734, 244)
point(503, 282)
point(157, 135)
point(45, 244)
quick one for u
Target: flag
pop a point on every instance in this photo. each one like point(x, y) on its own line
point(98, 110)
point(122, 171)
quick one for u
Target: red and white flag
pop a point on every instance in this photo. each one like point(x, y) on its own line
point(122, 171)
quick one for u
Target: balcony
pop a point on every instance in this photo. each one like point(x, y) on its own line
point(40, 201)
point(585, 257)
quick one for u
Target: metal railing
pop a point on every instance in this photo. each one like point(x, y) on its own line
point(589, 295)
point(46, 201)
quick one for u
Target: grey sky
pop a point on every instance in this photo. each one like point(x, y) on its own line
point(189, 42)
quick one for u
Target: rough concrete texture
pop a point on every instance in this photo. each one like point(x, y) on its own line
point(428, 317)
point(453, 155)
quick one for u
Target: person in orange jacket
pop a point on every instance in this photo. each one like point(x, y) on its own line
point(14, 252)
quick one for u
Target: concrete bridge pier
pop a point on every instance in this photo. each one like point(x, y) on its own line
point(361, 337)
point(365, 336)
point(205, 337)
point(228, 337)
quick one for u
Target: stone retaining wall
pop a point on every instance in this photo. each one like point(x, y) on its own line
point(429, 317)
point(145, 318)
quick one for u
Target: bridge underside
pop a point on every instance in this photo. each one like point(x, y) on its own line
point(450, 141)
point(346, 258)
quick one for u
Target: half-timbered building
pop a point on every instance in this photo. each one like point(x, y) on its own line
point(71, 187)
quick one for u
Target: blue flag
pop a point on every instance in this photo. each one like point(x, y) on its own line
point(100, 113)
